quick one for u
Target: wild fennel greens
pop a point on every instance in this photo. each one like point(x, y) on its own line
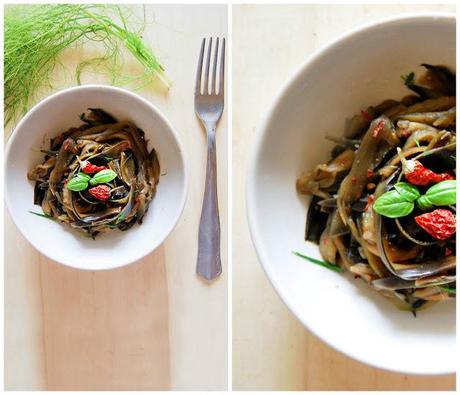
point(36, 35)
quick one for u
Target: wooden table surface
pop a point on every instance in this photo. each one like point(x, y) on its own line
point(150, 325)
point(271, 349)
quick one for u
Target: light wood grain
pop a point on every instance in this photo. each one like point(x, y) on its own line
point(102, 329)
point(151, 325)
point(271, 349)
point(24, 348)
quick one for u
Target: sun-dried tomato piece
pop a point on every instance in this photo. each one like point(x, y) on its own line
point(440, 223)
point(418, 174)
point(100, 192)
point(88, 168)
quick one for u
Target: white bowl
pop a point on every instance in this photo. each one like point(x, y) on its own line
point(56, 114)
point(359, 69)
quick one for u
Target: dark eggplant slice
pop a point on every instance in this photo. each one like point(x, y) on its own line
point(440, 78)
point(337, 150)
point(424, 92)
point(316, 221)
point(124, 226)
point(417, 304)
point(438, 81)
point(440, 161)
point(328, 203)
point(39, 192)
point(361, 204)
point(97, 116)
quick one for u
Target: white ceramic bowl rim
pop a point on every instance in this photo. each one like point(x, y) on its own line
point(137, 254)
point(259, 138)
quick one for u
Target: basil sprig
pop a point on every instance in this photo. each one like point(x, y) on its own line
point(423, 203)
point(103, 176)
point(399, 202)
point(443, 193)
point(85, 176)
point(393, 205)
point(81, 180)
point(408, 191)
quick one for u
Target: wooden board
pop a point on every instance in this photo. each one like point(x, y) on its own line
point(151, 325)
point(106, 330)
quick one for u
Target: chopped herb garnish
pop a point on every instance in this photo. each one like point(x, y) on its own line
point(120, 217)
point(408, 78)
point(321, 263)
point(449, 290)
point(43, 215)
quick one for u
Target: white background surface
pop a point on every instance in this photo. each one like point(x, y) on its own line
point(270, 348)
point(154, 324)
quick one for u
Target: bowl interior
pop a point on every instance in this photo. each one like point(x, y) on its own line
point(361, 69)
point(55, 115)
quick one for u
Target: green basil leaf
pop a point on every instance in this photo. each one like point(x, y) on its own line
point(392, 205)
point(85, 176)
point(443, 193)
point(103, 176)
point(408, 191)
point(423, 203)
point(77, 183)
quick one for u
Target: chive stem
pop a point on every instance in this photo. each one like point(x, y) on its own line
point(42, 215)
point(327, 265)
point(449, 290)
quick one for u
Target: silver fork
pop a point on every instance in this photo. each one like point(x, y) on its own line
point(209, 105)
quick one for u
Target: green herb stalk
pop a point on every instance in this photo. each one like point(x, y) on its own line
point(327, 265)
point(36, 35)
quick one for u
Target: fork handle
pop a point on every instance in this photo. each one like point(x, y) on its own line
point(208, 262)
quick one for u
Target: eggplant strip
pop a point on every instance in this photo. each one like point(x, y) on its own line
point(396, 283)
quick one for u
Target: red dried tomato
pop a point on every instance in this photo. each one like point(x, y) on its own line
point(417, 174)
point(100, 192)
point(440, 223)
point(88, 168)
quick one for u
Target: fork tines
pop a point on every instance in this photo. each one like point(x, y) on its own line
point(211, 87)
